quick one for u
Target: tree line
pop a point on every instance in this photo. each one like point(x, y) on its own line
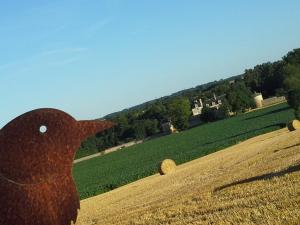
point(271, 79)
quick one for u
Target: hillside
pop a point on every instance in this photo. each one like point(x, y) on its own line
point(102, 174)
point(185, 92)
point(219, 100)
point(254, 182)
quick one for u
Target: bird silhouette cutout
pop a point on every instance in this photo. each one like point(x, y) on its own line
point(37, 150)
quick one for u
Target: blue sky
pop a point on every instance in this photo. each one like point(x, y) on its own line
point(91, 58)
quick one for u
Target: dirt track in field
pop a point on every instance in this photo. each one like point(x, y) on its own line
point(254, 182)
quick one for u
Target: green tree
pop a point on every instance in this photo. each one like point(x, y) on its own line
point(139, 129)
point(156, 111)
point(151, 127)
point(239, 97)
point(208, 114)
point(292, 79)
point(123, 128)
point(179, 111)
point(293, 57)
point(266, 78)
point(292, 84)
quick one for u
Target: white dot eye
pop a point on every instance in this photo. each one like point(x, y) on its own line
point(43, 129)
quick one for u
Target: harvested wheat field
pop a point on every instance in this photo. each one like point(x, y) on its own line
point(254, 182)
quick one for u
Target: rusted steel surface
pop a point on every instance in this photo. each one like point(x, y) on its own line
point(37, 150)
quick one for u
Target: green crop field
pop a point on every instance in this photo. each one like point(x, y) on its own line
point(110, 171)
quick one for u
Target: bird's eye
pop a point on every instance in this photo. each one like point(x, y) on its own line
point(43, 129)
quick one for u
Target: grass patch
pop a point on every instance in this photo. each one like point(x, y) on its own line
point(105, 173)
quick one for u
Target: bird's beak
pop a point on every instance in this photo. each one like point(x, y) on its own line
point(90, 127)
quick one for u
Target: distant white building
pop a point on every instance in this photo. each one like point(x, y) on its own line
point(197, 110)
point(214, 102)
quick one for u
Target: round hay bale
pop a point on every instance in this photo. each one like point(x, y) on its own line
point(294, 125)
point(167, 166)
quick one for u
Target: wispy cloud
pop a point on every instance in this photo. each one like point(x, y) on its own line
point(7, 65)
point(63, 62)
point(63, 51)
point(66, 56)
point(95, 27)
point(138, 31)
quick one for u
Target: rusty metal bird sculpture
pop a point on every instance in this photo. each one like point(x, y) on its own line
point(37, 150)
